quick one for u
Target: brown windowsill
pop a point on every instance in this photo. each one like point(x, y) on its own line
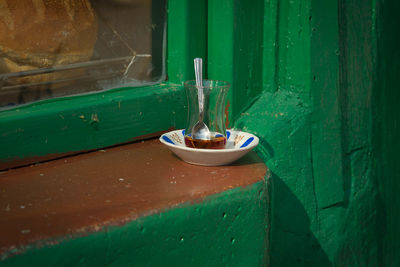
point(86, 192)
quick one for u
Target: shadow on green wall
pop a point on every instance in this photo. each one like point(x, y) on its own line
point(292, 242)
point(281, 120)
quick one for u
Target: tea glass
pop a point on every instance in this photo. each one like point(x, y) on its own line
point(214, 113)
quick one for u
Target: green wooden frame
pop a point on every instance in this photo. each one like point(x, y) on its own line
point(235, 41)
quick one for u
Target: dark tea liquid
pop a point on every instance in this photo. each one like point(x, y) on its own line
point(214, 143)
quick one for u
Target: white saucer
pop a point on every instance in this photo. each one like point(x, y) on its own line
point(237, 145)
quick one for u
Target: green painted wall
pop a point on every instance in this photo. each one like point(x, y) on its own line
point(387, 131)
point(327, 119)
point(227, 229)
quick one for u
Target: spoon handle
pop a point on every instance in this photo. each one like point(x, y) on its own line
point(198, 71)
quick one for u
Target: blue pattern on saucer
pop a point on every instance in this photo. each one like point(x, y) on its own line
point(248, 141)
point(168, 140)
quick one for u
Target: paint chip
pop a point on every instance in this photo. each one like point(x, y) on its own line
point(25, 231)
point(82, 117)
point(22, 207)
point(95, 118)
point(42, 174)
point(121, 179)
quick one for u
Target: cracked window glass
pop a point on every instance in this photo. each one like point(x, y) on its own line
point(61, 48)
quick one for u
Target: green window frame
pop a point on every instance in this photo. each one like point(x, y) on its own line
point(62, 126)
point(224, 33)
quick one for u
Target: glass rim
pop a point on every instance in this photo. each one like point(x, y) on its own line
point(192, 83)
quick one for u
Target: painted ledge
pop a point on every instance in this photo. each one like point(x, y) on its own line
point(87, 193)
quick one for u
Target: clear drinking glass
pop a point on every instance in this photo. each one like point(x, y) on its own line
point(214, 116)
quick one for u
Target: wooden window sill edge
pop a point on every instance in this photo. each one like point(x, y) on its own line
point(87, 192)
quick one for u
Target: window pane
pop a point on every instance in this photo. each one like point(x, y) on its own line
point(57, 48)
